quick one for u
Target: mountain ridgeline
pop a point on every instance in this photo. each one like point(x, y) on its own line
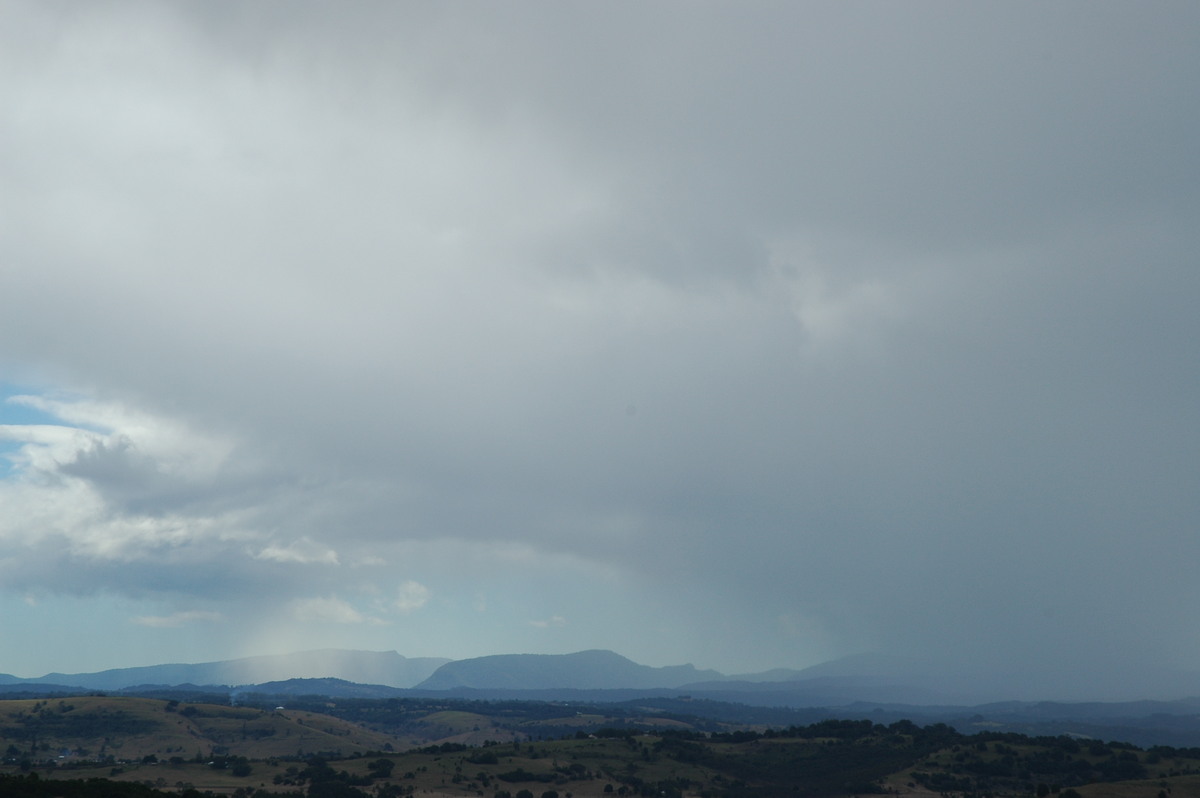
point(364, 667)
point(584, 670)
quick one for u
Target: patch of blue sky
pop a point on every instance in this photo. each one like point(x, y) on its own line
point(14, 411)
point(17, 413)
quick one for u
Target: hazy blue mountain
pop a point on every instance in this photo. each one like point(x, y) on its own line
point(583, 670)
point(22, 689)
point(813, 692)
point(774, 675)
point(877, 681)
point(366, 667)
point(914, 680)
point(331, 688)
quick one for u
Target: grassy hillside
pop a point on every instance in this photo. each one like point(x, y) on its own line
point(95, 727)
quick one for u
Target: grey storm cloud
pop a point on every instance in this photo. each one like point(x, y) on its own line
point(817, 328)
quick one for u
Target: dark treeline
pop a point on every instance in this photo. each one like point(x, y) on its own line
point(852, 756)
point(31, 786)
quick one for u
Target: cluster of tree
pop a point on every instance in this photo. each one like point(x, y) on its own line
point(852, 756)
point(531, 719)
point(325, 782)
point(31, 786)
point(236, 765)
point(982, 763)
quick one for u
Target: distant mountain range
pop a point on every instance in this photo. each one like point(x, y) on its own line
point(586, 675)
point(882, 690)
point(584, 670)
point(366, 667)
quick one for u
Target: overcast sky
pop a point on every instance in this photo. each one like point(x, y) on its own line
point(749, 335)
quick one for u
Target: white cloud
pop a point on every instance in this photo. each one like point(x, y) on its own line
point(552, 621)
point(411, 596)
point(176, 619)
point(172, 446)
point(46, 445)
point(328, 609)
point(115, 485)
point(302, 551)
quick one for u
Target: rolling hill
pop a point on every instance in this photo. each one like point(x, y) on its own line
point(127, 728)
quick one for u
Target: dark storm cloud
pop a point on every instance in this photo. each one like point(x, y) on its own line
point(835, 326)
